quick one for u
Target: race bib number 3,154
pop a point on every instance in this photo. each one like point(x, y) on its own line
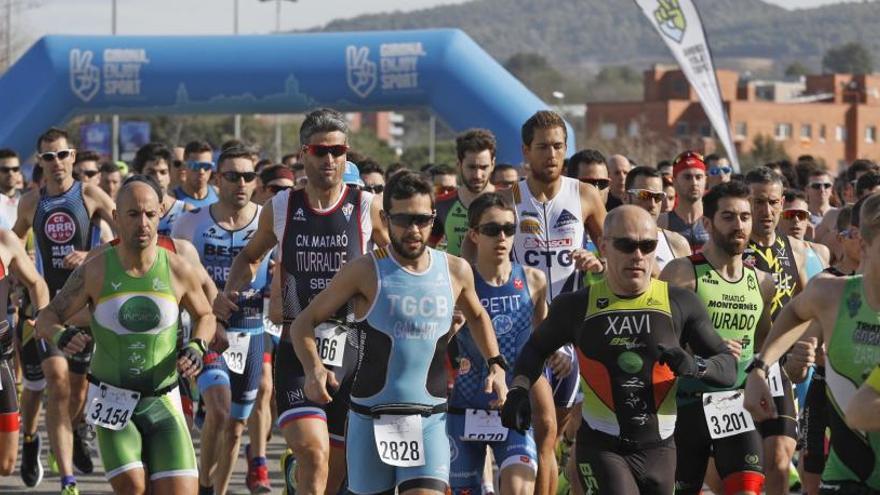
point(110, 407)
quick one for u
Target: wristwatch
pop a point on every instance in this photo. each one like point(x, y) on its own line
point(757, 363)
point(701, 367)
point(500, 361)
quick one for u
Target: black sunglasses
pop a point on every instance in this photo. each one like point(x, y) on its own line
point(10, 170)
point(237, 176)
point(52, 155)
point(405, 220)
point(628, 246)
point(599, 183)
point(820, 185)
point(492, 229)
point(89, 173)
point(321, 150)
point(275, 189)
point(377, 189)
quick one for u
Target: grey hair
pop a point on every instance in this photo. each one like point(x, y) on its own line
point(322, 120)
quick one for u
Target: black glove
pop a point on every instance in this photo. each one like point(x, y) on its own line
point(679, 361)
point(194, 352)
point(66, 336)
point(517, 411)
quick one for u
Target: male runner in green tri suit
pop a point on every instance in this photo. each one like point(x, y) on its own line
point(845, 310)
point(737, 299)
point(134, 290)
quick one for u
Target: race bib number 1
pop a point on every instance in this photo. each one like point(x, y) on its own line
point(236, 355)
point(774, 380)
point(483, 426)
point(330, 340)
point(399, 440)
point(725, 414)
point(110, 407)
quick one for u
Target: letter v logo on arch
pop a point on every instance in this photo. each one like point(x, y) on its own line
point(85, 77)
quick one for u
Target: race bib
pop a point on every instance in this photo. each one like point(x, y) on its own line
point(110, 407)
point(774, 380)
point(236, 354)
point(399, 440)
point(330, 340)
point(725, 414)
point(483, 426)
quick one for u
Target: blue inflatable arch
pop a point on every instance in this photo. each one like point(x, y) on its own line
point(61, 77)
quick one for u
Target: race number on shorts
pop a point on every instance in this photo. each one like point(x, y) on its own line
point(399, 440)
point(330, 339)
point(110, 407)
point(725, 414)
point(483, 426)
point(236, 354)
point(774, 380)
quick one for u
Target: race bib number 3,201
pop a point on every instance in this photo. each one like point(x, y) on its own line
point(483, 426)
point(725, 414)
point(110, 407)
point(400, 440)
point(330, 340)
point(236, 354)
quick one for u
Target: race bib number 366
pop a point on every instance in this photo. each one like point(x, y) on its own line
point(110, 407)
point(330, 341)
point(725, 414)
point(399, 440)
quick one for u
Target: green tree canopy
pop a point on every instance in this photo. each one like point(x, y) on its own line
point(851, 58)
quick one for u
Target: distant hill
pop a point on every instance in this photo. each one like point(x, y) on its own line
point(583, 33)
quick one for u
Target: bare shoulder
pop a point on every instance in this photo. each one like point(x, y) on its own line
point(821, 290)
point(458, 267)
point(187, 251)
point(536, 278)
point(680, 245)
point(679, 273)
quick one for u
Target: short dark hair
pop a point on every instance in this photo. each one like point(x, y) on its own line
point(860, 166)
point(844, 218)
point(405, 185)
point(761, 175)
point(51, 135)
point(483, 203)
point(144, 179)
point(732, 189)
point(394, 168)
point(711, 157)
point(586, 157)
point(319, 121)
point(197, 146)
point(237, 151)
point(867, 182)
point(663, 163)
point(109, 168)
point(542, 119)
point(790, 195)
point(229, 143)
point(370, 166)
point(442, 169)
point(87, 156)
point(641, 171)
point(288, 157)
point(474, 141)
point(7, 153)
point(151, 152)
point(818, 171)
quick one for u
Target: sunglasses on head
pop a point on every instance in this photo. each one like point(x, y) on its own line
point(628, 246)
point(720, 170)
point(275, 188)
point(801, 215)
point(599, 183)
point(376, 189)
point(89, 173)
point(406, 220)
point(50, 156)
point(492, 229)
point(322, 150)
point(206, 166)
point(645, 195)
point(237, 176)
point(820, 185)
point(10, 170)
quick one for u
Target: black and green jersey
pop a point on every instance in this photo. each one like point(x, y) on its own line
point(778, 260)
point(450, 225)
point(735, 309)
point(854, 351)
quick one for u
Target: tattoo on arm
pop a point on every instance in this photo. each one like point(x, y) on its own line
point(62, 303)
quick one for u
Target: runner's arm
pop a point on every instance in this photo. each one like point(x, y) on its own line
point(594, 212)
point(103, 205)
point(24, 270)
point(554, 332)
point(25, 216)
point(689, 315)
point(538, 288)
point(794, 319)
point(379, 235)
point(247, 262)
point(188, 252)
point(861, 413)
point(67, 302)
point(679, 273)
point(193, 298)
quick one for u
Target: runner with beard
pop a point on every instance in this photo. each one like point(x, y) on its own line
point(736, 297)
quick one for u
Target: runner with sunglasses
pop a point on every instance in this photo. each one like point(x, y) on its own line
point(818, 192)
point(644, 188)
point(689, 177)
point(738, 300)
point(718, 170)
point(629, 330)
point(232, 373)
point(795, 222)
point(64, 216)
point(475, 150)
point(318, 229)
point(87, 166)
point(403, 298)
point(196, 189)
point(154, 160)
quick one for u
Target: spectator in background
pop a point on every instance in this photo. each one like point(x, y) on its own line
point(504, 176)
point(718, 170)
point(618, 167)
point(589, 166)
point(444, 178)
point(665, 168)
point(111, 179)
point(372, 175)
point(86, 167)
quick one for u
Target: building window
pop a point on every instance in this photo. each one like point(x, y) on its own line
point(822, 132)
point(870, 134)
point(783, 131)
point(705, 130)
point(608, 131)
point(633, 128)
point(741, 130)
point(681, 129)
point(806, 131)
point(840, 133)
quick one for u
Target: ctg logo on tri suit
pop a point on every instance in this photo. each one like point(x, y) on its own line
point(550, 252)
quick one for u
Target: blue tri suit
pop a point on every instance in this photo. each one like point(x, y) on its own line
point(511, 308)
point(404, 354)
point(217, 248)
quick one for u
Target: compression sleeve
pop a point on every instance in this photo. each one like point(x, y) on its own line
point(566, 314)
point(697, 331)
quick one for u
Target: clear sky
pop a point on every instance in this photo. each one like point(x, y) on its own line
point(215, 16)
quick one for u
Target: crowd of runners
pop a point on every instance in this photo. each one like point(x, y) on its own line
point(582, 324)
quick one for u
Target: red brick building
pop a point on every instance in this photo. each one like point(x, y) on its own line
point(834, 117)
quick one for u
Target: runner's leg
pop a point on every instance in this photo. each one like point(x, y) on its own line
point(544, 421)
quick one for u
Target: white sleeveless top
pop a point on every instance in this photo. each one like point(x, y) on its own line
point(663, 253)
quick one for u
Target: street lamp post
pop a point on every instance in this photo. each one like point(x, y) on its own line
point(237, 119)
point(114, 136)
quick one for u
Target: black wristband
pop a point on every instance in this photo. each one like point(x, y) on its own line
point(500, 360)
point(757, 363)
